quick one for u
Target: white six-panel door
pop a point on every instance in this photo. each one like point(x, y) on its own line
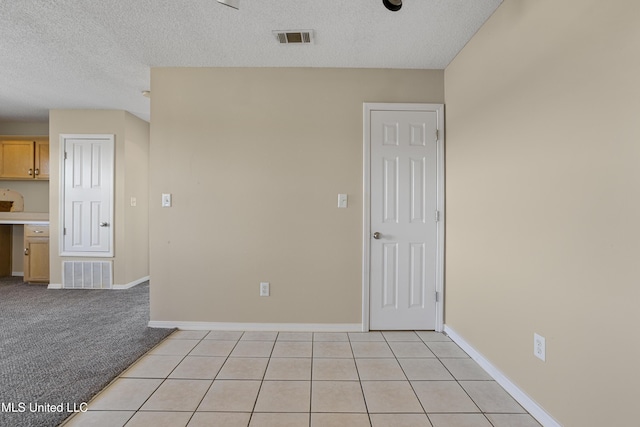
point(88, 173)
point(403, 219)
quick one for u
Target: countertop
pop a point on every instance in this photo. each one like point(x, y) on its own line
point(24, 218)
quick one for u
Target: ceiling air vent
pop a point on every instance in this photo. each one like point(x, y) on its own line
point(294, 36)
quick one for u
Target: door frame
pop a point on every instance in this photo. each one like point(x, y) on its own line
point(63, 148)
point(368, 107)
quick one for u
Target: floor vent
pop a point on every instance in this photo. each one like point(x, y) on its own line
point(294, 36)
point(87, 275)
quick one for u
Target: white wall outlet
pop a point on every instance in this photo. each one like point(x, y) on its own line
point(342, 200)
point(134, 201)
point(264, 289)
point(539, 349)
point(166, 200)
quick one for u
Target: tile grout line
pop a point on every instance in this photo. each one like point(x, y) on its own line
point(460, 385)
point(167, 377)
point(119, 376)
point(263, 376)
point(366, 407)
point(175, 367)
point(409, 381)
point(445, 367)
point(156, 389)
point(214, 377)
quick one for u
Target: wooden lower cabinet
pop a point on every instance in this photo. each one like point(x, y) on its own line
point(36, 253)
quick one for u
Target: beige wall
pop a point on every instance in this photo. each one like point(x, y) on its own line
point(131, 145)
point(35, 193)
point(543, 173)
point(136, 184)
point(255, 159)
point(24, 128)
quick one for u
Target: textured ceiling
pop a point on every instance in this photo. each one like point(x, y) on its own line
point(98, 53)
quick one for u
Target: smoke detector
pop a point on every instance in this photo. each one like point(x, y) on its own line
point(294, 36)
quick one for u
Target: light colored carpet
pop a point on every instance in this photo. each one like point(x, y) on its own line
point(64, 346)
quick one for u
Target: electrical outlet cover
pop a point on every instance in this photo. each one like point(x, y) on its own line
point(264, 289)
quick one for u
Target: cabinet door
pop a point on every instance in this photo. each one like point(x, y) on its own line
point(36, 253)
point(16, 159)
point(36, 260)
point(6, 233)
point(41, 167)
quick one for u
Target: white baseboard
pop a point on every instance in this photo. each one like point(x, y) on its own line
point(520, 396)
point(279, 327)
point(17, 273)
point(131, 284)
point(114, 287)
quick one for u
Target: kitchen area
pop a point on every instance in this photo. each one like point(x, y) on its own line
point(47, 235)
point(24, 207)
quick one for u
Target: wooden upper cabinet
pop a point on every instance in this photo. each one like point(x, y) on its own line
point(24, 158)
point(17, 159)
point(41, 164)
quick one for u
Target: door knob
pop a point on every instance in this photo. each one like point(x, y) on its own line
point(376, 235)
point(104, 224)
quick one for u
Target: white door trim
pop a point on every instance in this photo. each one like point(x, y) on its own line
point(61, 183)
point(368, 107)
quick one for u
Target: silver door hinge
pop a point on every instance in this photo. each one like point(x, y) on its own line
point(64, 231)
point(437, 296)
point(437, 135)
point(437, 216)
point(65, 155)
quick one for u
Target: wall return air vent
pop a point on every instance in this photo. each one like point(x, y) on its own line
point(294, 36)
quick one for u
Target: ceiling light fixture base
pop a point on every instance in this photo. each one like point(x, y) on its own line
point(231, 3)
point(392, 5)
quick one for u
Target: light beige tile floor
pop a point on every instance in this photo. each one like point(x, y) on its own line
point(262, 379)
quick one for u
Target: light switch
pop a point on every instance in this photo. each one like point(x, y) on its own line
point(166, 200)
point(134, 201)
point(342, 200)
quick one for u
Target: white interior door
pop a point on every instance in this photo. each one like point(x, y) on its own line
point(88, 173)
point(403, 219)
